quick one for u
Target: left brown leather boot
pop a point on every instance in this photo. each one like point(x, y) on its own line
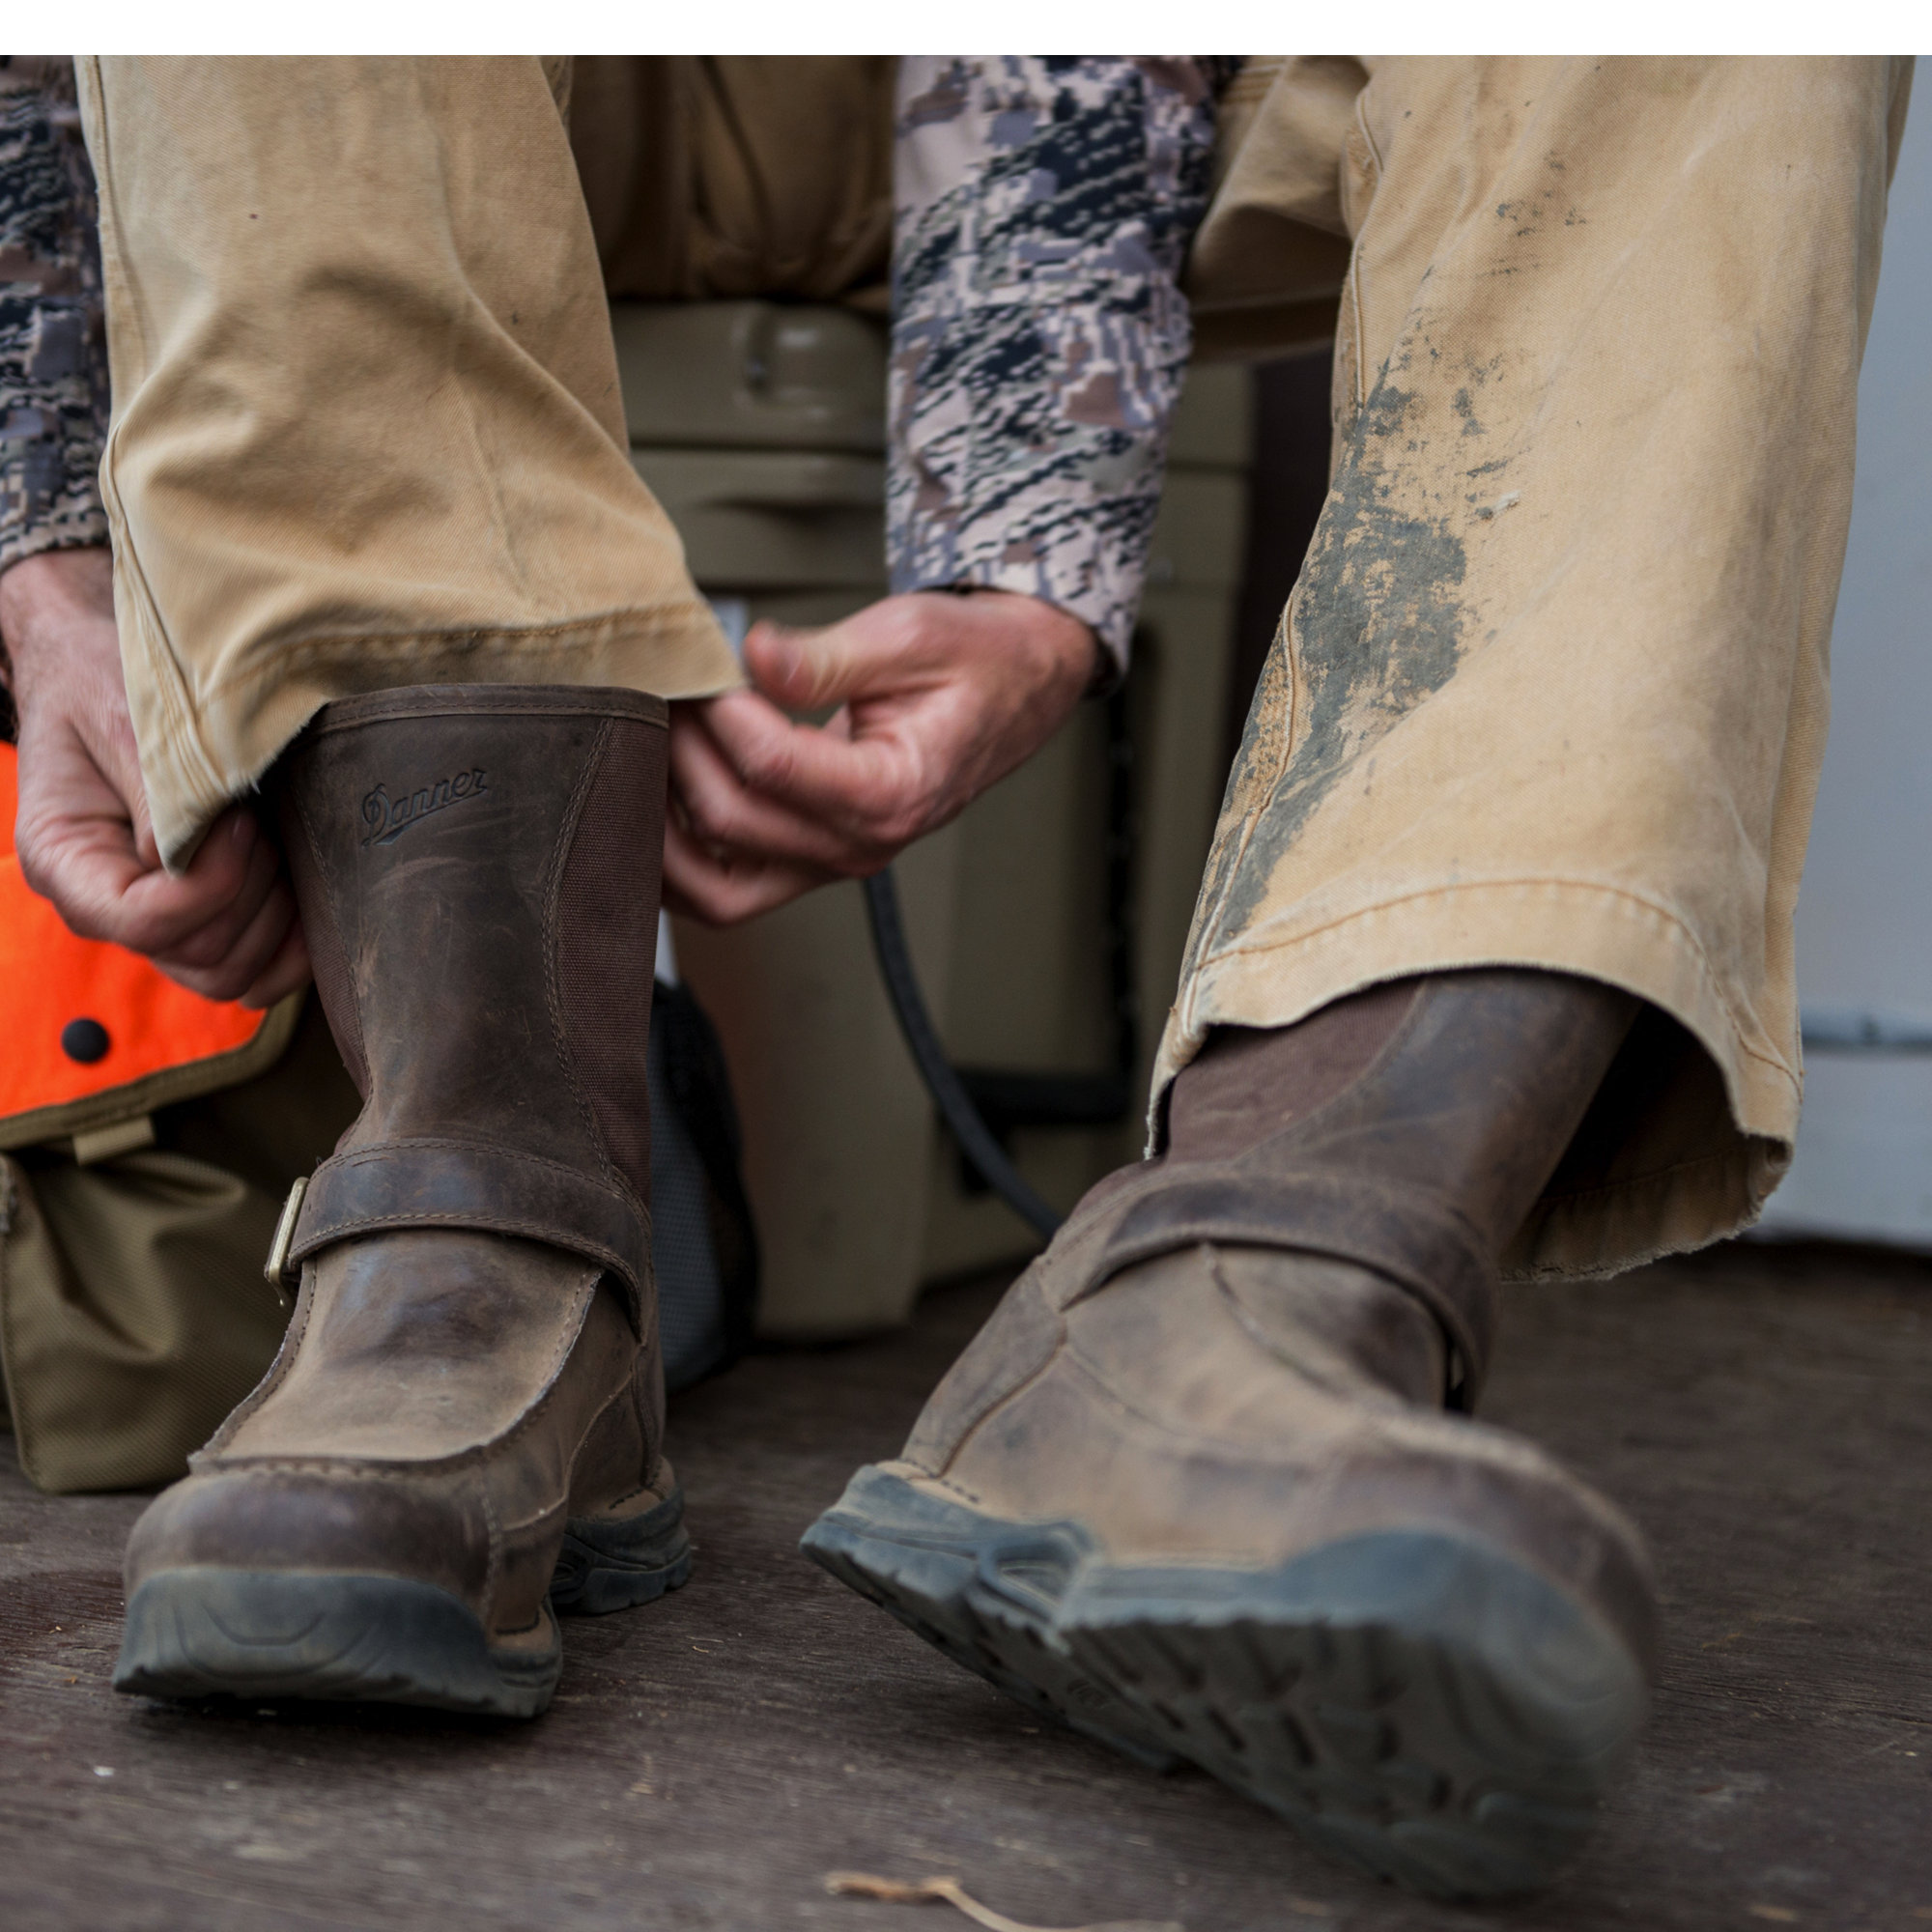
point(463, 1432)
point(1206, 1485)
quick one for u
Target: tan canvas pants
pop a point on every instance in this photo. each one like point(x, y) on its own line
point(426, 479)
point(1551, 688)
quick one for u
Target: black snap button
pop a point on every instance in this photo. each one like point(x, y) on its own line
point(84, 1040)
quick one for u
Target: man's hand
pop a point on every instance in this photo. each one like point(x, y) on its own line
point(939, 697)
point(226, 927)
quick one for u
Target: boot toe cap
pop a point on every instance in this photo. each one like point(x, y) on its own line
point(300, 1519)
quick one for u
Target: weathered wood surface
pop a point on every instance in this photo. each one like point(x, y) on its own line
point(1767, 1413)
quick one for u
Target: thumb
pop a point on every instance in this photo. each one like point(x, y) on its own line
point(797, 669)
point(810, 670)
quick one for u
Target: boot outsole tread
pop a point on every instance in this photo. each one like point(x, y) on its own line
point(971, 1586)
point(612, 1564)
point(1420, 1705)
point(207, 1632)
point(212, 1631)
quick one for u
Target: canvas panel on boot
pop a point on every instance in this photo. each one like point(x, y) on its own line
point(1199, 1485)
point(463, 1431)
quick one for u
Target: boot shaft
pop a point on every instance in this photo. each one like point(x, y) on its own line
point(1469, 1084)
point(479, 871)
point(1404, 1132)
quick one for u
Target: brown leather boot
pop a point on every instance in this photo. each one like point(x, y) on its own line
point(463, 1431)
point(1205, 1485)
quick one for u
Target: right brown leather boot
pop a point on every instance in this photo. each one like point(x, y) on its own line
point(1206, 1485)
point(463, 1431)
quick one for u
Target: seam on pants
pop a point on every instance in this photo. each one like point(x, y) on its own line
point(1649, 1176)
point(1246, 836)
point(1355, 243)
point(186, 753)
point(301, 652)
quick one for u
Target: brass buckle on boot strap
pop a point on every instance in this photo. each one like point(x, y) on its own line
point(1412, 1238)
point(275, 1270)
point(434, 1182)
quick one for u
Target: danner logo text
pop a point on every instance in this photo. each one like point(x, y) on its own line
point(388, 818)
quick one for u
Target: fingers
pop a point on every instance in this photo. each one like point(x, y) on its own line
point(115, 752)
point(88, 865)
point(226, 925)
point(216, 927)
point(751, 802)
point(79, 844)
point(287, 972)
point(722, 890)
point(938, 697)
point(869, 783)
point(242, 873)
point(245, 957)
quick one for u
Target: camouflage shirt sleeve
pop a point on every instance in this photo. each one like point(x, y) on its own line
point(53, 356)
point(1040, 335)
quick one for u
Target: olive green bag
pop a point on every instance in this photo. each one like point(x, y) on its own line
point(133, 1311)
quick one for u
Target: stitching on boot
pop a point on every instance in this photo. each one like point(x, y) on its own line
point(1094, 1253)
point(371, 1149)
point(331, 899)
point(558, 1513)
point(992, 1397)
point(539, 1231)
point(620, 1394)
point(493, 1568)
point(374, 1466)
point(1401, 1423)
point(560, 865)
point(328, 1220)
point(278, 1369)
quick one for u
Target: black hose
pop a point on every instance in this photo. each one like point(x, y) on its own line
point(975, 1139)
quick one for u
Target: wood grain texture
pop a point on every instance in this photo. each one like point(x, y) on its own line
point(1765, 1412)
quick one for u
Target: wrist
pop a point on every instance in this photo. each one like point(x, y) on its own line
point(46, 598)
point(1069, 640)
point(79, 580)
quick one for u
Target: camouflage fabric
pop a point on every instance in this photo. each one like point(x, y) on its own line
point(1040, 335)
point(53, 354)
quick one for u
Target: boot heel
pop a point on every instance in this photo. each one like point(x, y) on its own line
point(615, 1563)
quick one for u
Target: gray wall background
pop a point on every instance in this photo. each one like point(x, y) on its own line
point(1865, 915)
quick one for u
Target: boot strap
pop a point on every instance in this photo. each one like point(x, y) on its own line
point(1413, 1238)
point(427, 1182)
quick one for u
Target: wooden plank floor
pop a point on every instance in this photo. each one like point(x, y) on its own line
point(1765, 1412)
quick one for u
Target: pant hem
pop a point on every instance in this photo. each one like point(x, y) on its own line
point(244, 722)
point(1595, 931)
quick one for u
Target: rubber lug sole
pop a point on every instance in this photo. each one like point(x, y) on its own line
point(984, 1592)
point(1419, 1705)
point(207, 1632)
point(279, 1634)
point(618, 1563)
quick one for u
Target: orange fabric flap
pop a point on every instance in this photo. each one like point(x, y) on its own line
point(49, 980)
